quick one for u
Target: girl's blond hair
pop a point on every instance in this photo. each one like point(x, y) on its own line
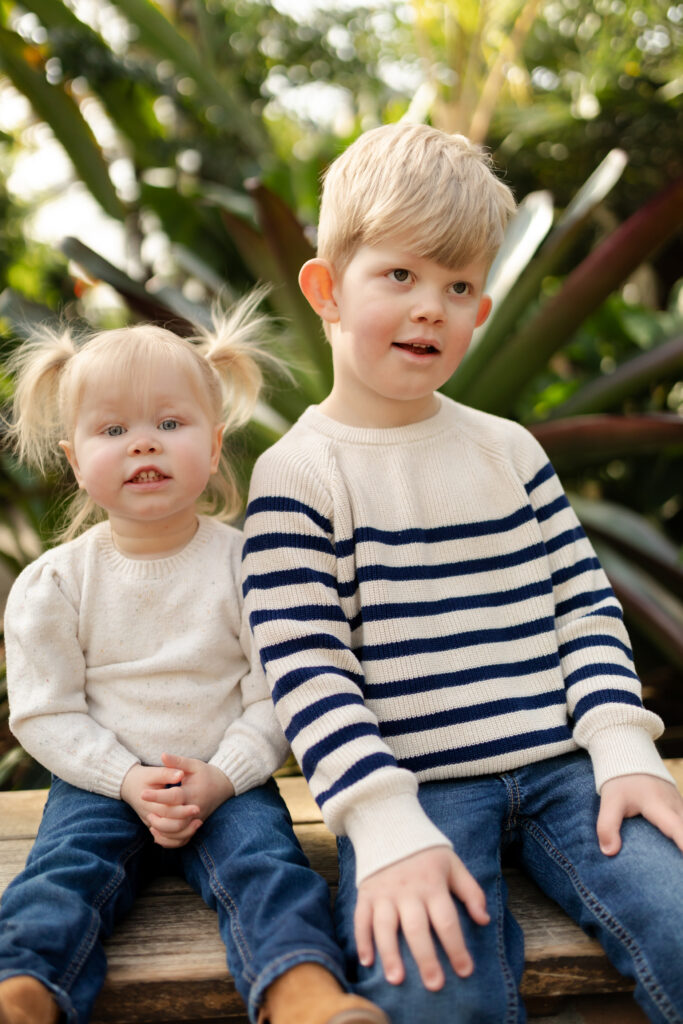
point(437, 191)
point(54, 367)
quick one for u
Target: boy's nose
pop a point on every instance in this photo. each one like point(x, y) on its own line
point(428, 308)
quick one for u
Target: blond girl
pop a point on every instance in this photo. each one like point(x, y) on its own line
point(130, 678)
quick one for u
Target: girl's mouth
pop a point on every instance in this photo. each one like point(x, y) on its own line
point(146, 476)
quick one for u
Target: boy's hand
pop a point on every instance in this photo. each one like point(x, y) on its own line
point(145, 789)
point(413, 895)
point(203, 788)
point(629, 795)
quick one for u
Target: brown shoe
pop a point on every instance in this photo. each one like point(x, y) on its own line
point(309, 994)
point(25, 1000)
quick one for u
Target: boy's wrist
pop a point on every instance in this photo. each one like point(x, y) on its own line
point(385, 831)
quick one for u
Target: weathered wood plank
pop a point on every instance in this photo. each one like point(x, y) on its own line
point(167, 961)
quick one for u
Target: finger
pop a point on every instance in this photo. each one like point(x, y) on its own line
point(669, 823)
point(184, 764)
point(468, 890)
point(362, 927)
point(608, 827)
point(415, 926)
point(173, 796)
point(169, 825)
point(446, 923)
point(183, 812)
point(385, 924)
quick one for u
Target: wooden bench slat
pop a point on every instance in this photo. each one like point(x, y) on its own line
point(167, 962)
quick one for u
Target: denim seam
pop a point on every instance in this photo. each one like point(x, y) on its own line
point(592, 903)
point(230, 907)
point(105, 894)
point(511, 1015)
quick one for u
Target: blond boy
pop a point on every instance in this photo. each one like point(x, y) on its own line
point(445, 653)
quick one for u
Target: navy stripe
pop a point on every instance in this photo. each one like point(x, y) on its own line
point(494, 748)
point(443, 570)
point(612, 611)
point(463, 677)
point(360, 770)
point(318, 709)
point(586, 600)
point(552, 508)
point(576, 569)
point(565, 538)
point(543, 474)
point(422, 609)
point(310, 642)
point(436, 534)
point(328, 744)
point(601, 697)
point(454, 641)
point(291, 680)
point(275, 541)
point(287, 578)
point(594, 640)
point(472, 713)
point(279, 503)
point(298, 613)
point(599, 668)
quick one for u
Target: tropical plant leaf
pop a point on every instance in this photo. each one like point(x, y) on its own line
point(581, 440)
point(500, 381)
point(649, 606)
point(59, 110)
point(634, 536)
point(632, 377)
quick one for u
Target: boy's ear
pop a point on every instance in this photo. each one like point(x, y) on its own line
point(316, 282)
point(68, 450)
point(484, 310)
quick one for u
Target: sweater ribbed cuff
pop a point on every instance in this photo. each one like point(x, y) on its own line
point(113, 771)
point(243, 773)
point(389, 830)
point(625, 750)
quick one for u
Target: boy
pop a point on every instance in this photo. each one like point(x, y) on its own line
point(441, 644)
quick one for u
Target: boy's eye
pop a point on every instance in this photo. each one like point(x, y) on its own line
point(115, 430)
point(168, 424)
point(460, 287)
point(400, 274)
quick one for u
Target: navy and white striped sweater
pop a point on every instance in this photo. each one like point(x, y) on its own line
point(427, 606)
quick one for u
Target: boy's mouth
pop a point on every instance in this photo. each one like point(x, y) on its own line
point(420, 348)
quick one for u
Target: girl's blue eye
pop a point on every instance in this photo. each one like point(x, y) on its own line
point(169, 424)
point(400, 274)
point(114, 431)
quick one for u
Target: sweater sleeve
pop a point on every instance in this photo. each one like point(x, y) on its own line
point(602, 687)
point(46, 686)
point(292, 598)
point(254, 745)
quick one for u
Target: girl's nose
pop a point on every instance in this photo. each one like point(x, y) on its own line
point(143, 446)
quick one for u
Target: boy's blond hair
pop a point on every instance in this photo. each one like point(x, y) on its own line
point(414, 183)
point(54, 369)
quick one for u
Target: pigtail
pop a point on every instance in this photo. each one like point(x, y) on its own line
point(236, 347)
point(37, 424)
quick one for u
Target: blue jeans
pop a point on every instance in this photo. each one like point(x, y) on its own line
point(93, 853)
point(544, 816)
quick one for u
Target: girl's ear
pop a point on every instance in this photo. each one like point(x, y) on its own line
point(216, 442)
point(316, 280)
point(68, 450)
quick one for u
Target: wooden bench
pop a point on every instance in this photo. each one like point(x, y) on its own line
point(166, 960)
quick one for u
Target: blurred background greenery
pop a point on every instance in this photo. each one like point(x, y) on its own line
point(154, 156)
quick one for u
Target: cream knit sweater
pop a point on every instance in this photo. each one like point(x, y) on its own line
point(427, 606)
point(112, 661)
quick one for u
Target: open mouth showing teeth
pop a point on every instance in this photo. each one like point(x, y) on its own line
point(416, 347)
point(146, 476)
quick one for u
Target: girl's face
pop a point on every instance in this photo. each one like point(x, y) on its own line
point(145, 456)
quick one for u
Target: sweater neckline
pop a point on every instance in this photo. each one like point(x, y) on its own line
point(152, 568)
point(420, 431)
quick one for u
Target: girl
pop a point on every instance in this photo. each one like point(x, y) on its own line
point(129, 678)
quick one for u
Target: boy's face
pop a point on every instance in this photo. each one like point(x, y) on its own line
point(399, 326)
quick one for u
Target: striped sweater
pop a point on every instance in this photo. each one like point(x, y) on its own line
point(427, 606)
